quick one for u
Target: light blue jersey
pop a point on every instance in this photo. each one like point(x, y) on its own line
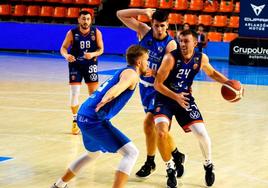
point(157, 50)
point(110, 109)
point(97, 131)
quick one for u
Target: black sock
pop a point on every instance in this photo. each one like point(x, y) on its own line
point(176, 155)
point(150, 159)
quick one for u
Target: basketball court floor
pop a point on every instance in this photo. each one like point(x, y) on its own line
point(36, 144)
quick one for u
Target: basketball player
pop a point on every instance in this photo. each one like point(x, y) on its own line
point(86, 45)
point(94, 115)
point(158, 42)
point(173, 82)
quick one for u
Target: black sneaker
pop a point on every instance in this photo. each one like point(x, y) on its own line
point(180, 165)
point(171, 178)
point(55, 186)
point(146, 170)
point(210, 176)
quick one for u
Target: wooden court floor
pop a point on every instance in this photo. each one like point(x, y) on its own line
point(35, 132)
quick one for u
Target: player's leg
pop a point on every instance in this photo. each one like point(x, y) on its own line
point(74, 100)
point(165, 148)
point(75, 168)
point(92, 86)
point(147, 97)
point(150, 138)
point(75, 79)
point(201, 134)
point(130, 155)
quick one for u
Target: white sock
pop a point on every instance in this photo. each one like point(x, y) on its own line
point(60, 183)
point(74, 117)
point(170, 164)
point(207, 162)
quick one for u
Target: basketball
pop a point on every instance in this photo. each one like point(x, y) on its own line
point(232, 91)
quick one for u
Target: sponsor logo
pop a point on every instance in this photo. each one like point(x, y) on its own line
point(160, 49)
point(250, 51)
point(93, 37)
point(158, 109)
point(194, 114)
point(93, 77)
point(257, 9)
point(247, 19)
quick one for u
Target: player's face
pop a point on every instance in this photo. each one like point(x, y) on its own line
point(187, 44)
point(159, 29)
point(84, 21)
point(143, 66)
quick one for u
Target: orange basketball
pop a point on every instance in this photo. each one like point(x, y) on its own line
point(232, 91)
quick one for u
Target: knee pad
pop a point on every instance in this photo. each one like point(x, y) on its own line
point(130, 154)
point(74, 94)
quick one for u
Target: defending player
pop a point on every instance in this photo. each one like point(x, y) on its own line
point(99, 135)
point(158, 42)
point(173, 82)
point(86, 45)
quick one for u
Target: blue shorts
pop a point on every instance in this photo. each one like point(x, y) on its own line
point(100, 135)
point(79, 71)
point(185, 117)
point(147, 97)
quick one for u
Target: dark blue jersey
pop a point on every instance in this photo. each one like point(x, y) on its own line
point(182, 75)
point(157, 50)
point(83, 43)
point(110, 109)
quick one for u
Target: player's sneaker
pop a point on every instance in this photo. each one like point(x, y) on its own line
point(210, 176)
point(146, 170)
point(75, 128)
point(54, 186)
point(180, 165)
point(171, 178)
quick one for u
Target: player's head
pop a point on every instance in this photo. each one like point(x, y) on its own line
point(84, 19)
point(138, 56)
point(187, 41)
point(159, 23)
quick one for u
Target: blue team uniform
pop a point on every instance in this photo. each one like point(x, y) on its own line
point(97, 131)
point(157, 50)
point(83, 68)
point(180, 80)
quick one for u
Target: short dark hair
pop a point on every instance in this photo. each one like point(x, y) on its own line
point(84, 12)
point(189, 32)
point(134, 52)
point(160, 15)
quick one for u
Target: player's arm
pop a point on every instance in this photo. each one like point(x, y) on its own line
point(162, 74)
point(99, 51)
point(65, 45)
point(128, 17)
point(128, 80)
point(172, 45)
point(210, 71)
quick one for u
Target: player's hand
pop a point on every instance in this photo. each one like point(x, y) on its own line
point(70, 58)
point(182, 99)
point(150, 72)
point(149, 12)
point(88, 55)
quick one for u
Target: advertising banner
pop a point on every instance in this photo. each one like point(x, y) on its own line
point(253, 18)
point(249, 51)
